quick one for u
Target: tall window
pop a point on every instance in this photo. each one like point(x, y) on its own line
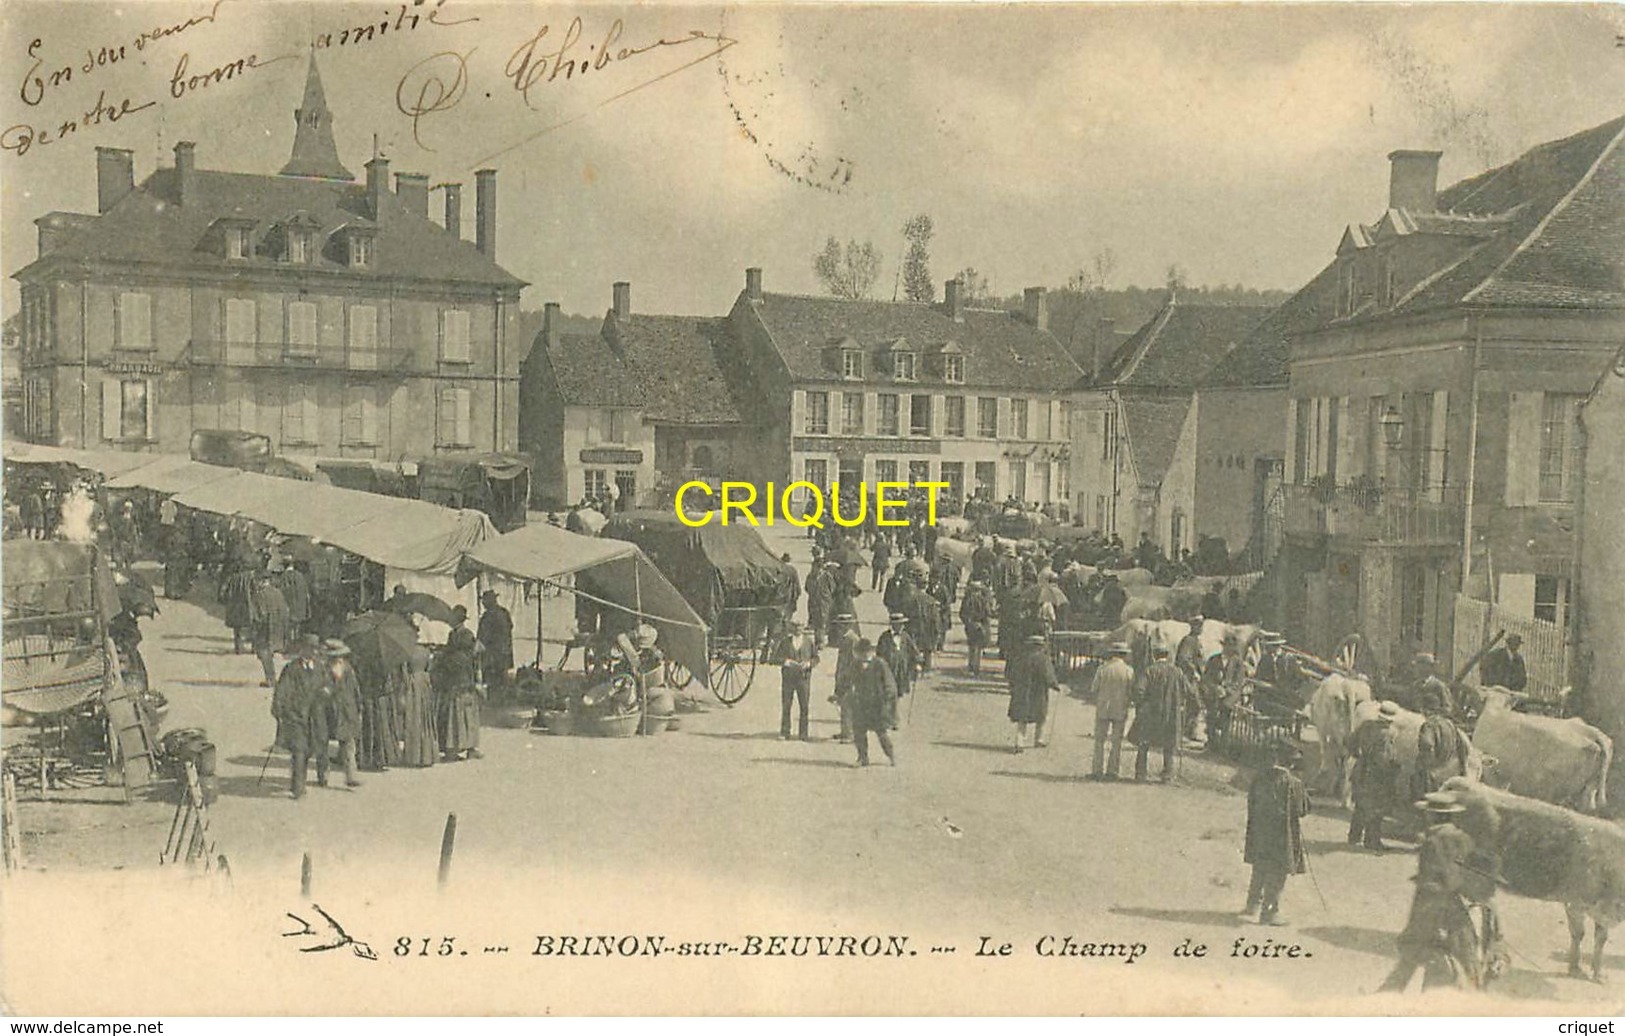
point(456, 424)
point(611, 426)
point(851, 363)
point(1018, 418)
point(1041, 420)
point(953, 473)
point(1552, 599)
point(454, 344)
point(361, 415)
point(885, 471)
point(134, 320)
point(817, 414)
point(954, 417)
point(987, 417)
point(851, 413)
point(299, 415)
point(1559, 453)
point(127, 410)
point(1018, 479)
point(905, 366)
point(953, 369)
point(985, 474)
point(919, 415)
point(364, 337)
point(1108, 436)
point(596, 481)
point(887, 417)
point(816, 471)
point(242, 330)
point(302, 328)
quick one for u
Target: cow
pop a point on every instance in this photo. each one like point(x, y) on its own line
point(1332, 710)
point(1562, 761)
point(1161, 602)
point(1407, 726)
point(1551, 853)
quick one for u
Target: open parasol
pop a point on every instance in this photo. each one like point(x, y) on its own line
point(427, 605)
point(381, 641)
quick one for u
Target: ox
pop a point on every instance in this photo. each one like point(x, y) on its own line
point(1563, 761)
point(1407, 727)
point(1551, 853)
point(1332, 710)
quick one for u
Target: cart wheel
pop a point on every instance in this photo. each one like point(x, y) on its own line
point(677, 674)
point(732, 669)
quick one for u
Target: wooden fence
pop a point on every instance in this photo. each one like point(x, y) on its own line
point(1545, 645)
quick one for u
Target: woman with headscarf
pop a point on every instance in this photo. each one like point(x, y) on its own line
point(411, 688)
point(457, 697)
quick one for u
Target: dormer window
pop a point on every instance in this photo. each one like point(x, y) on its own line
point(905, 366)
point(360, 249)
point(299, 245)
point(851, 363)
point(238, 244)
point(953, 369)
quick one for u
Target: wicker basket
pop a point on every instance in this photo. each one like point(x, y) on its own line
point(563, 722)
point(611, 726)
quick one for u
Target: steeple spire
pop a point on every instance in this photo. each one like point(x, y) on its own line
point(314, 153)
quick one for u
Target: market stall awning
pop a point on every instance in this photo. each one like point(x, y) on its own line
point(171, 473)
point(103, 462)
point(615, 572)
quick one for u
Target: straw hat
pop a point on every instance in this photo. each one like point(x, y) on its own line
point(646, 636)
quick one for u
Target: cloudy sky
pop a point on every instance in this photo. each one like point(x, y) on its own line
point(1235, 141)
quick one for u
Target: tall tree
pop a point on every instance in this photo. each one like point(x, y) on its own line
point(1175, 278)
point(849, 272)
point(975, 289)
point(917, 284)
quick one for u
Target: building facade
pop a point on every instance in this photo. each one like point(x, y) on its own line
point(333, 316)
point(843, 390)
point(1599, 650)
point(1437, 367)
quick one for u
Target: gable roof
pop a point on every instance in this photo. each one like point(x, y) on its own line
point(154, 225)
point(1153, 427)
point(667, 365)
point(1001, 349)
point(1178, 346)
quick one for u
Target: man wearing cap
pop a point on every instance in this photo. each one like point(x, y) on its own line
point(496, 640)
point(976, 613)
point(1113, 688)
point(1031, 676)
point(343, 708)
point(797, 656)
point(899, 650)
point(874, 701)
point(1157, 720)
point(299, 706)
point(1376, 765)
point(1504, 666)
point(1276, 805)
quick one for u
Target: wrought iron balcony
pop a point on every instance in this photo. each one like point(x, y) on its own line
point(1375, 514)
point(205, 352)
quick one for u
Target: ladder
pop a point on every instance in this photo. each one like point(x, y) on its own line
point(132, 739)
point(189, 832)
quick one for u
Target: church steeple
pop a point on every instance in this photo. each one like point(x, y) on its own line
point(314, 153)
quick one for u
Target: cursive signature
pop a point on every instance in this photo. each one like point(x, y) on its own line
point(527, 68)
point(435, 84)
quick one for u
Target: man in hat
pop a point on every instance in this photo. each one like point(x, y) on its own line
point(820, 593)
point(1224, 679)
point(1031, 676)
point(1275, 676)
point(299, 706)
point(880, 561)
point(269, 623)
point(1376, 765)
point(295, 591)
point(874, 701)
point(797, 656)
point(976, 613)
point(344, 708)
point(1113, 689)
point(495, 635)
point(1157, 720)
point(1504, 666)
point(1440, 749)
point(1188, 659)
point(845, 637)
point(1439, 937)
point(899, 650)
point(1276, 805)
point(1113, 598)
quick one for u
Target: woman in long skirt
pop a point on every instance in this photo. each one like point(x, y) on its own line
point(457, 701)
point(420, 740)
point(380, 746)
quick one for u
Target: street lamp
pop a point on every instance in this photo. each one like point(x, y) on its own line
point(1393, 427)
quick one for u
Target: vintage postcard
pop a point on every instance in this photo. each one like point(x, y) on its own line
point(812, 509)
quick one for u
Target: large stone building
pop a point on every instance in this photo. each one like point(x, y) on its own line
point(334, 317)
point(1437, 366)
point(1139, 451)
point(1599, 647)
point(642, 404)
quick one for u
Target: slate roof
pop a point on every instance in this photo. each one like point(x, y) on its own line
point(154, 226)
point(1153, 427)
point(666, 365)
point(1001, 349)
point(1178, 346)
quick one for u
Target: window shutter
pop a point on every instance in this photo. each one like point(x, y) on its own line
point(363, 337)
point(1292, 444)
point(1439, 437)
point(1523, 448)
point(454, 344)
point(1517, 592)
point(152, 410)
point(1343, 447)
point(112, 407)
point(302, 326)
point(465, 421)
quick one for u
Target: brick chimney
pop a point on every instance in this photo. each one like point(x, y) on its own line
point(413, 191)
point(185, 165)
point(115, 176)
point(485, 212)
point(377, 186)
point(1101, 351)
point(454, 209)
point(1035, 306)
point(753, 283)
point(951, 301)
point(1413, 180)
point(623, 299)
point(550, 324)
